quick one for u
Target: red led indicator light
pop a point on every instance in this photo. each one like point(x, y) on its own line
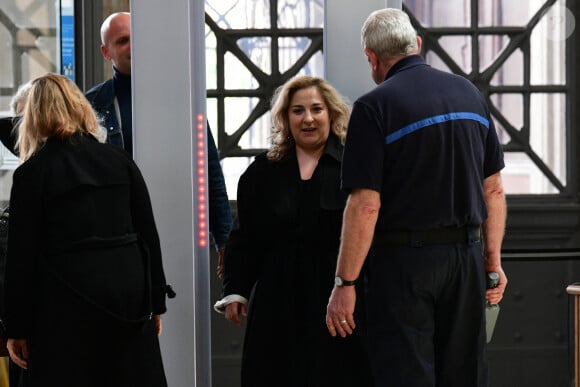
point(201, 179)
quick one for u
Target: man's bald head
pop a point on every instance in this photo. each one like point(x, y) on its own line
point(116, 41)
point(115, 19)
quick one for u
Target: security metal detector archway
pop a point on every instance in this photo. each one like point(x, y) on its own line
point(169, 118)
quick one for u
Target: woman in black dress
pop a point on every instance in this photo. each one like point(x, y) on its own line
point(285, 245)
point(85, 285)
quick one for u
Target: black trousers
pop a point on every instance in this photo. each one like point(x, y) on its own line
point(426, 314)
point(16, 375)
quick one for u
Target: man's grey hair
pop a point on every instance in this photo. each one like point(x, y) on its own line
point(389, 34)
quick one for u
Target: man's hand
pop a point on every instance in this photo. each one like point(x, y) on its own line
point(340, 310)
point(495, 295)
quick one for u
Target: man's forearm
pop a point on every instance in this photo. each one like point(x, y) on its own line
point(360, 218)
point(494, 226)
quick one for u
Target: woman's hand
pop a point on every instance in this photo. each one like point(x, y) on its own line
point(18, 350)
point(234, 311)
point(158, 324)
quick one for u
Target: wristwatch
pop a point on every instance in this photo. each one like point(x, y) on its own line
point(338, 281)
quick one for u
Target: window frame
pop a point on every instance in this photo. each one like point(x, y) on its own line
point(535, 223)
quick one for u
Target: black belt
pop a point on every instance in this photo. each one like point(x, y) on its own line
point(436, 236)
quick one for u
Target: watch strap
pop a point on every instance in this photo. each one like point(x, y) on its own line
point(339, 281)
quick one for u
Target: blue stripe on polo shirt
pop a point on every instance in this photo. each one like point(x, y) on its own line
point(432, 121)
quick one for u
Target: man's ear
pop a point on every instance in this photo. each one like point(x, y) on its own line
point(419, 44)
point(373, 59)
point(105, 52)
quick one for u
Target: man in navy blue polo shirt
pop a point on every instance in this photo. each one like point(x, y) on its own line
point(425, 215)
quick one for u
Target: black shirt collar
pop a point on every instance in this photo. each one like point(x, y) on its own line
point(405, 63)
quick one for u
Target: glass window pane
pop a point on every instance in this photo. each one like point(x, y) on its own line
point(258, 49)
point(314, 66)
point(236, 112)
point(490, 47)
point(6, 65)
point(210, 59)
point(548, 131)
point(5, 103)
point(29, 43)
point(522, 176)
point(40, 14)
point(233, 167)
point(292, 49)
point(502, 133)
point(237, 76)
point(511, 108)
point(211, 112)
point(435, 61)
point(258, 135)
point(549, 65)
point(511, 71)
point(449, 13)
point(46, 53)
point(300, 13)
point(558, 23)
point(507, 12)
point(459, 49)
point(236, 14)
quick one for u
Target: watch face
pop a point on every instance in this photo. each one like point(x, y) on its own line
point(338, 281)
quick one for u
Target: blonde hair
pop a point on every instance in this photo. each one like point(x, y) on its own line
point(389, 34)
point(55, 107)
point(338, 109)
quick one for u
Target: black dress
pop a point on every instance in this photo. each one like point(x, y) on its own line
point(84, 268)
point(285, 243)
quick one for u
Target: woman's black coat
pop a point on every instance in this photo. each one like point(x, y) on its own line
point(77, 283)
point(284, 246)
